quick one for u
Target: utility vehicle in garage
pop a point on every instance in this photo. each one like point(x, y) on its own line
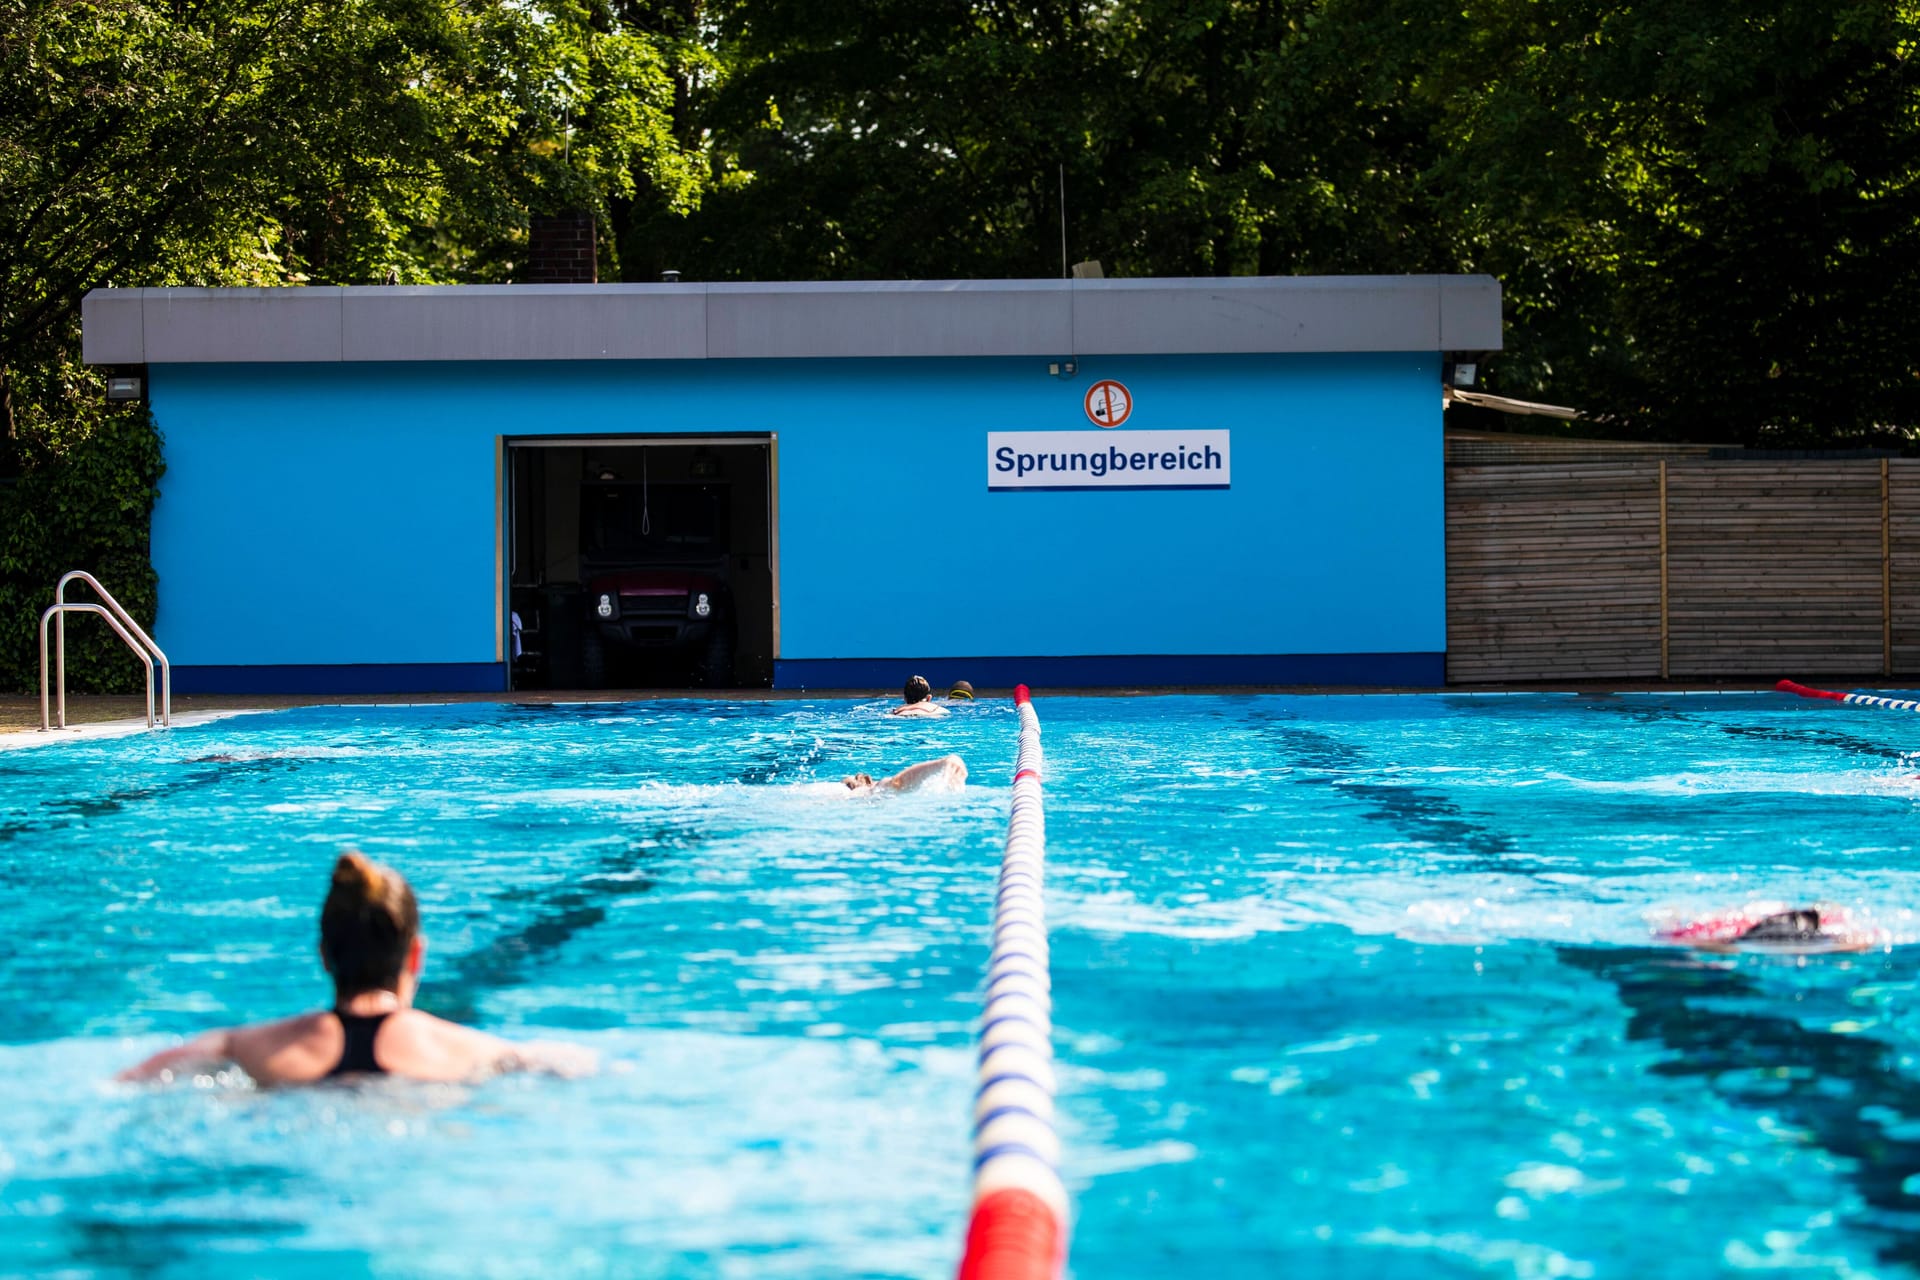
point(655, 561)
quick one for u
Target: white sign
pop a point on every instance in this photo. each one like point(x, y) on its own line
point(1108, 460)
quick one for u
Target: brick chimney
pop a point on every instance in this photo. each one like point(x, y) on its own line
point(560, 250)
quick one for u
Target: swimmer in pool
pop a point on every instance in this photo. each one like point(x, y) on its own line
point(1777, 926)
point(917, 699)
point(370, 942)
point(949, 771)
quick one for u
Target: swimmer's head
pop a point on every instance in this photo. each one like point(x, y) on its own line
point(917, 690)
point(961, 689)
point(1800, 925)
point(367, 926)
point(859, 781)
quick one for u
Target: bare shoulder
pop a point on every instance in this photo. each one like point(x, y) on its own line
point(271, 1052)
point(429, 1048)
point(282, 1030)
point(417, 1024)
point(415, 1032)
point(289, 1050)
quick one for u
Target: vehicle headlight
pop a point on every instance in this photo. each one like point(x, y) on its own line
point(702, 606)
point(605, 607)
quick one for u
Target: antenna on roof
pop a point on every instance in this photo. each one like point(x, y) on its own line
point(1063, 220)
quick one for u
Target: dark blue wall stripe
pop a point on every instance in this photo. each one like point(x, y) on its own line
point(1416, 670)
point(396, 677)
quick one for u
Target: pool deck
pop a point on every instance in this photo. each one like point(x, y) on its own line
point(91, 715)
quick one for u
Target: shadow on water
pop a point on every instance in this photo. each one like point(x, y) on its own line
point(1806, 737)
point(62, 812)
point(97, 1232)
point(147, 1247)
point(773, 764)
point(1819, 738)
point(560, 913)
point(1416, 813)
point(1846, 1093)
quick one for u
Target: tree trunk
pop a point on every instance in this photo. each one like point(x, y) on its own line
point(10, 460)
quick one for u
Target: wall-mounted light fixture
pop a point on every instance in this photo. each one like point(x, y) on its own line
point(126, 388)
point(1459, 373)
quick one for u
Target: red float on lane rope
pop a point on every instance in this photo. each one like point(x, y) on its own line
point(1013, 1236)
point(1875, 700)
point(1788, 686)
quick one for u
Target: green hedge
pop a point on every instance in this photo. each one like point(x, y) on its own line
point(83, 499)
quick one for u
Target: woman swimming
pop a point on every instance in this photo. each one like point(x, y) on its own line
point(948, 773)
point(1776, 926)
point(370, 942)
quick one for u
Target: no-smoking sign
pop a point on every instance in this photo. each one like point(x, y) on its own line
point(1108, 403)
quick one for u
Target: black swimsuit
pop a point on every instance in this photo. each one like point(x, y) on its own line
point(356, 1056)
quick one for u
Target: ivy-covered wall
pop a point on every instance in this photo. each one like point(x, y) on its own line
point(81, 498)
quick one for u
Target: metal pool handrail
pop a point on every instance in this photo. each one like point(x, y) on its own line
point(123, 625)
point(1018, 1228)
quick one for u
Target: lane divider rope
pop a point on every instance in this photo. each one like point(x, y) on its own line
point(1851, 699)
point(1018, 1227)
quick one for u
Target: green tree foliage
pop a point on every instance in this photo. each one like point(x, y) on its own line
point(357, 141)
point(1706, 213)
point(272, 142)
point(938, 137)
point(1703, 212)
point(84, 500)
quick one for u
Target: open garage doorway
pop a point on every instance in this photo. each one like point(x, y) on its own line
point(641, 562)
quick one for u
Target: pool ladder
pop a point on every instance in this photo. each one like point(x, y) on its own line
point(123, 626)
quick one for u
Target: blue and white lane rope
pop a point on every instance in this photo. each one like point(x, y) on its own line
point(1851, 699)
point(1018, 1225)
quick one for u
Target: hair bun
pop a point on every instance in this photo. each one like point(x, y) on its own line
point(367, 925)
point(357, 874)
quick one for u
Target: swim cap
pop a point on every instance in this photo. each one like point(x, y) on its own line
point(961, 689)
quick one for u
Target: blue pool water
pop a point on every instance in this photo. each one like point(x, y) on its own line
point(1343, 986)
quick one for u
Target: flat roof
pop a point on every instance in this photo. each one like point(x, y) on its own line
point(793, 320)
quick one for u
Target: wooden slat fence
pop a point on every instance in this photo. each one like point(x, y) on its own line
point(1682, 568)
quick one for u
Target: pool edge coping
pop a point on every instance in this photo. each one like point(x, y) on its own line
point(15, 735)
point(100, 730)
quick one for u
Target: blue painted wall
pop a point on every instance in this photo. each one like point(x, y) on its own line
point(344, 514)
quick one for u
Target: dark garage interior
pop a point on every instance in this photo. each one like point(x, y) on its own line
point(640, 562)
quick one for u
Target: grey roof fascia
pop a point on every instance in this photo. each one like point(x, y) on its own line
point(525, 322)
point(885, 318)
point(112, 328)
point(242, 326)
point(1469, 313)
point(796, 320)
point(1259, 314)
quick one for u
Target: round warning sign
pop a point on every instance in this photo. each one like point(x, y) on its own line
point(1108, 403)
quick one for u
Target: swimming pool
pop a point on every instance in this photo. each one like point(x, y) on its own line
point(1341, 985)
